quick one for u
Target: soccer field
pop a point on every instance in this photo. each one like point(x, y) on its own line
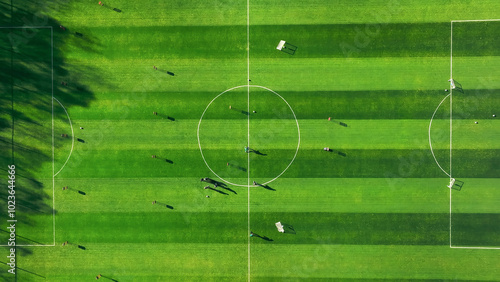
point(111, 114)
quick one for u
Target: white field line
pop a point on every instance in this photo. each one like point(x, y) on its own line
point(52, 83)
point(53, 149)
point(451, 127)
point(72, 136)
point(479, 248)
point(451, 109)
point(248, 140)
point(486, 20)
point(430, 142)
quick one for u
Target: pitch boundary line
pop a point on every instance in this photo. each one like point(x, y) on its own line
point(451, 130)
point(72, 137)
point(53, 149)
point(451, 110)
point(248, 140)
point(480, 248)
point(486, 20)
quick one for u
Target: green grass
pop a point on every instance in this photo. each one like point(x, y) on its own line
point(376, 208)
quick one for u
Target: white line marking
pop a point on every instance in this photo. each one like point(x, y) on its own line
point(53, 181)
point(487, 20)
point(72, 136)
point(451, 106)
point(208, 106)
point(481, 248)
point(451, 128)
point(430, 142)
point(248, 126)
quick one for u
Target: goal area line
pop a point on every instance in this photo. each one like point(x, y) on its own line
point(451, 134)
point(52, 129)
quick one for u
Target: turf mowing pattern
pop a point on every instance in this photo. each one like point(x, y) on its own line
point(375, 208)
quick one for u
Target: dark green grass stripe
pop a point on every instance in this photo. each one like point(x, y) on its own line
point(388, 104)
point(393, 164)
point(341, 279)
point(354, 40)
point(308, 164)
point(176, 41)
point(313, 41)
point(475, 229)
point(476, 39)
point(175, 226)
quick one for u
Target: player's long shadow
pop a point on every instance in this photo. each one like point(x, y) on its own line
point(102, 276)
point(167, 160)
point(268, 187)
point(77, 191)
point(228, 189)
point(218, 191)
point(338, 153)
point(339, 122)
point(167, 117)
point(263, 237)
point(166, 205)
point(258, 152)
point(241, 111)
point(237, 167)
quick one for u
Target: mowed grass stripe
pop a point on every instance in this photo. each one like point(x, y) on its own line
point(162, 134)
point(313, 41)
point(343, 195)
point(227, 227)
point(137, 262)
point(368, 12)
point(309, 163)
point(373, 263)
point(383, 104)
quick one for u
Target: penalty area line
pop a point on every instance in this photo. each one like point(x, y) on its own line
point(477, 248)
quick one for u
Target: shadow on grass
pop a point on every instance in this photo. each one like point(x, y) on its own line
point(33, 65)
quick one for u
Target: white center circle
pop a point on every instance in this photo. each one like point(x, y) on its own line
point(268, 179)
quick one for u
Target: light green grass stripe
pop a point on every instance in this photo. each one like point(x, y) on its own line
point(311, 74)
point(137, 262)
point(155, 13)
point(396, 262)
point(180, 13)
point(370, 195)
point(217, 134)
point(368, 12)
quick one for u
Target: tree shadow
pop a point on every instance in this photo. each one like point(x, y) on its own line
point(31, 58)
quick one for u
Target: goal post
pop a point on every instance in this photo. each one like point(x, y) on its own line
point(280, 227)
point(286, 47)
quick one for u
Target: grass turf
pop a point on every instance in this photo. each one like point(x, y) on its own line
point(379, 212)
